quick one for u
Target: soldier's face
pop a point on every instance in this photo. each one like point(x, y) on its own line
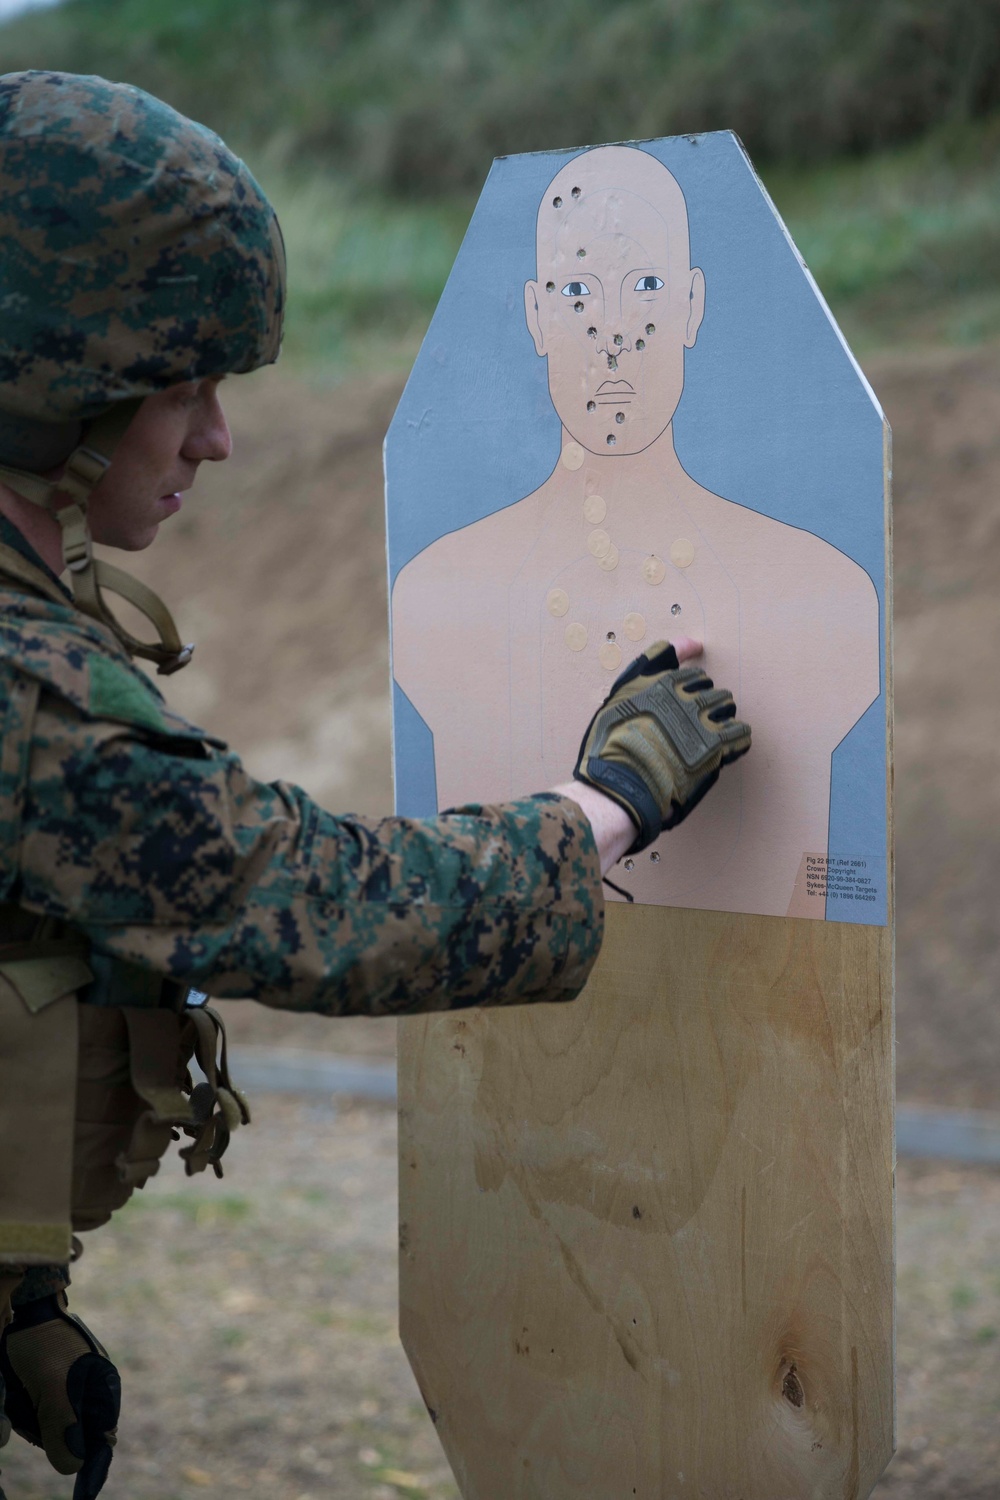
point(613, 310)
point(157, 459)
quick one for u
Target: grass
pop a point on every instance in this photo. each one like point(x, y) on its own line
point(381, 120)
point(365, 273)
point(416, 96)
point(905, 245)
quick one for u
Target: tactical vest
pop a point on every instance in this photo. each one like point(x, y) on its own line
point(95, 1054)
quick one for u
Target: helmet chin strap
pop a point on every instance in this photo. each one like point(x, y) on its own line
point(85, 467)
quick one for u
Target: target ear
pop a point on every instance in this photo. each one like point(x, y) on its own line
point(696, 307)
point(532, 316)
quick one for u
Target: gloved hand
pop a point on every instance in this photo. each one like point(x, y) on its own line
point(658, 741)
point(63, 1393)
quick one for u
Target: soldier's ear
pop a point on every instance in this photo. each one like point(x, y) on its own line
point(532, 316)
point(696, 307)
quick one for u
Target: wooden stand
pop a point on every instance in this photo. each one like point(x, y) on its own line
point(647, 1238)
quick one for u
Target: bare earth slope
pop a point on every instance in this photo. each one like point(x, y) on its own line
point(945, 413)
point(276, 568)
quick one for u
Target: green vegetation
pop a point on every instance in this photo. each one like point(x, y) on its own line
point(876, 124)
point(228, 1208)
point(365, 273)
point(963, 1296)
point(904, 244)
point(416, 96)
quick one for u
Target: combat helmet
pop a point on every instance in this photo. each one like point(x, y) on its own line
point(137, 253)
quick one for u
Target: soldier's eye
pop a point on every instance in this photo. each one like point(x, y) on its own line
point(648, 284)
point(576, 289)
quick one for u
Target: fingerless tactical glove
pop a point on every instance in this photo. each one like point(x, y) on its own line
point(658, 741)
point(63, 1393)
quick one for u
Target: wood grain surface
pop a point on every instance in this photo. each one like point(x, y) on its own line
point(647, 1237)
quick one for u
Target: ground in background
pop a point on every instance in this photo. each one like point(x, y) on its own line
point(255, 1326)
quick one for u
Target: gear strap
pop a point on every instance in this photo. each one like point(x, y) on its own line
point(209, 1112)
point(85, 467)
point(217, 1104)
point(91, 1097)
point(37, 1097)
point(13, 565)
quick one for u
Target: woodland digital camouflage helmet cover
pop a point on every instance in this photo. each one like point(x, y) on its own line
point(137, 253)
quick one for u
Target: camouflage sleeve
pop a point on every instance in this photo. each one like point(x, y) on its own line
point(39, 1281)
point(176, 859)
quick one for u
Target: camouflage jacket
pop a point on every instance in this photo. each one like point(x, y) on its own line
point(145, 834)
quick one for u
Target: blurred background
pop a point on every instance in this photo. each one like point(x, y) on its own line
point(875, 125)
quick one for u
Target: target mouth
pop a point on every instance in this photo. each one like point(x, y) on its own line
point(614, 393)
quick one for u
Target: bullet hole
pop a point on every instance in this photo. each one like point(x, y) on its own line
point(575, 193)
point(650, 327)
point(578, 307)
point(675, 609)
point(581, 254)
point(636, 1211)
point(611, 440)
point(619, 417)
point(611, 635)
point(630, 865)
point(612, 362)
point(791, 1388)
point(619, 340)
point(557, 202)
point(550, 286)
point(640, 343)
point(654, 858)
point(591, 405)
point(592, 333)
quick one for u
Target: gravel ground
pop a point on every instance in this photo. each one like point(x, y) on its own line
point(255, 1325)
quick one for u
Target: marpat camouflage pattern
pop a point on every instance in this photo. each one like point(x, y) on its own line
point(126, 226)
point(40, 1281)
point(143, 833)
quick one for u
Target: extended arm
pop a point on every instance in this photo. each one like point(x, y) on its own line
point(184, 864)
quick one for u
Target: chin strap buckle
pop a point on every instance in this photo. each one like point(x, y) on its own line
point(85, 468)
point(174, 663)
point(76, 544)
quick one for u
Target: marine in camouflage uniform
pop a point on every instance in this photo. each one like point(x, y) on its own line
point(138, 859)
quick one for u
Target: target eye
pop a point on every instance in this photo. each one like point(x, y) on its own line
point(648, 284)
point(576, 289)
